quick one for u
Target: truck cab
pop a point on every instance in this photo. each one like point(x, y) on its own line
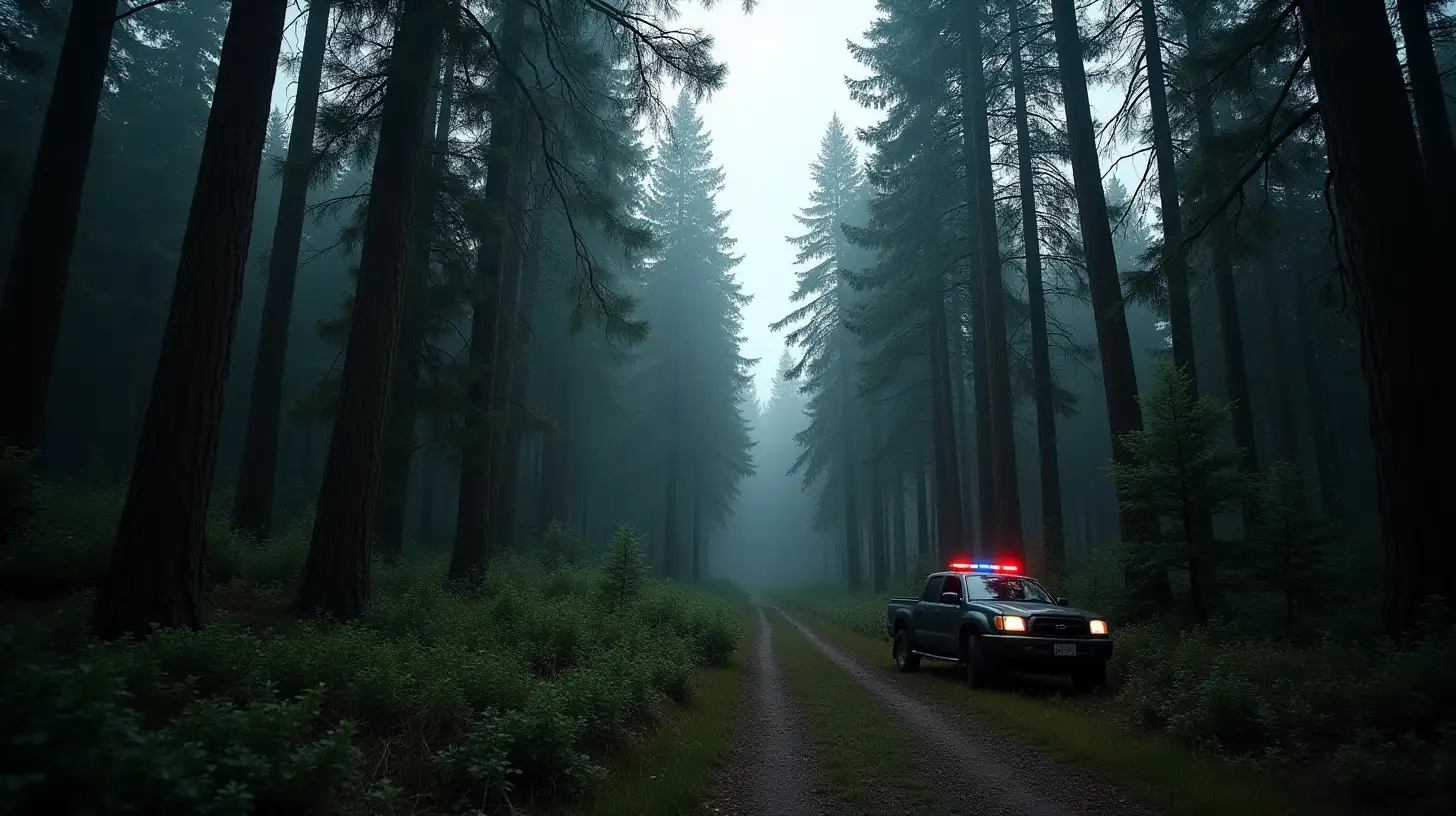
point(988, 617)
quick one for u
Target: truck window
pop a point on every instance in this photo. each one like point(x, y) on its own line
point(1004, 588)
point(952, 584)
point(932, 589)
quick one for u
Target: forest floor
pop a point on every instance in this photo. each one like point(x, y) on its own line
point(841, 731)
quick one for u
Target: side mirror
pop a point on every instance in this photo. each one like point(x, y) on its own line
point(950, 597)
point(1061, 602)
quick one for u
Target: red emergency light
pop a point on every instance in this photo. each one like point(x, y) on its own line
point(969, 566)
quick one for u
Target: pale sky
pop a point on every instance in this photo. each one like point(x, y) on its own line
point(787, 62)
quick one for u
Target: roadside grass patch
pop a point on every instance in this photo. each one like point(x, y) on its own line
point(867, 759)
point(521, 692)
point(668, 771)
point(1152, 769)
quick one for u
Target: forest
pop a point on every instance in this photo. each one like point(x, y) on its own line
point(382, 426)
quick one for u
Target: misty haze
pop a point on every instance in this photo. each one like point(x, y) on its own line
point(741, 408)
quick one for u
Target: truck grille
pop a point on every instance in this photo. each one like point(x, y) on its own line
point(1059, 627)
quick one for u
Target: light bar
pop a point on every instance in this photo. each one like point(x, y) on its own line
point(966, 566)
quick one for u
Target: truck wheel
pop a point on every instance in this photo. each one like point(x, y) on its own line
point(1090, 677)
point(981, 673)
point(905, 659)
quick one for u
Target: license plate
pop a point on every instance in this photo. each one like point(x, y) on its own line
point(1064, 649)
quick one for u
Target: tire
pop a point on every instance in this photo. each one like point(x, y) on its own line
point(981, 673)
point(905, 658)
point(1090, 678)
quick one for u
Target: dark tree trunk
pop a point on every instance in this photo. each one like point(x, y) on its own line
point(1119, 376)
point(258, 469)
point(1395, 274)
point(1175, 263)
point(900, 533)
point(879, 527)
point(922, 512)
point(949, 522)
point(1053, 543)
point(429, 475)
point(399, 439)
point(1326, 457)
point(40, 261)
point(1286, 434)
point(854, 570)
point(471, 553)
point(501, 457)
point(553, 502)
point(155, 575)
point(1008, 540)
point(1437, 144)
point(1235, 361)
point(671, 555)
point(973, 460)
point(336, 573)
point(509, 479)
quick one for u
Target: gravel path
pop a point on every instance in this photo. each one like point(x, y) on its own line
point(999, 776)
point(770, 768)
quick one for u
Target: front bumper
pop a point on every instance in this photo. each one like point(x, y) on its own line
point(1038, 654)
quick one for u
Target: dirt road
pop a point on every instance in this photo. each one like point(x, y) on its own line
point(772, 773)
point(771, 769)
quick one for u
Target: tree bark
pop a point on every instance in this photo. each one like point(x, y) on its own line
point(1285, 437)
point(1008, 539)
point(155, 574)
point(508, 482)
point(973, 458)
point(1394, 271)
point(879, 527)
point(1175, 263)
point(1235, 361)
point(500, 456)
point(399, 440)
point(1437, 144)
point(949, 521)
point(258, 469)
point(1326, 458)
point(922, 512)
point(1053, 536)
point(1119, 376)
point(471, 553)
point(40, 260)
point(853, 568)
point(336, 572)
point(900, 533)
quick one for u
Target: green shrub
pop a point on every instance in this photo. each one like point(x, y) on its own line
point(436, 699)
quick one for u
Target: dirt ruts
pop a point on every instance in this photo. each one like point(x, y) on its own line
point(771, 767)
point(965, 758)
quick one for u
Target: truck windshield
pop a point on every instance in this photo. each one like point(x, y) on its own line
point(1004, 588)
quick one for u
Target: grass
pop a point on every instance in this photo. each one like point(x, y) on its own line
point(866, 757)
point(669, 771)
point(1151, 770)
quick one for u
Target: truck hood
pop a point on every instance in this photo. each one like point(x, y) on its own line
point(1029, 608)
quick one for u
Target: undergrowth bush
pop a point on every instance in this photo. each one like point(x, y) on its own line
point(438, 699)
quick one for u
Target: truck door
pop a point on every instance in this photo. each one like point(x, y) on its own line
point(948, 616)
point(926, 617)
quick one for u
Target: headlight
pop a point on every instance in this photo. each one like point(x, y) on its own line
point(1009, 623)
point(1098, 627)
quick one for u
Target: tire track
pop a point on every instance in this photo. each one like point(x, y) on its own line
point(999, 776)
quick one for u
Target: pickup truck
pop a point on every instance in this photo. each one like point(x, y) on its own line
point(989, 618)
